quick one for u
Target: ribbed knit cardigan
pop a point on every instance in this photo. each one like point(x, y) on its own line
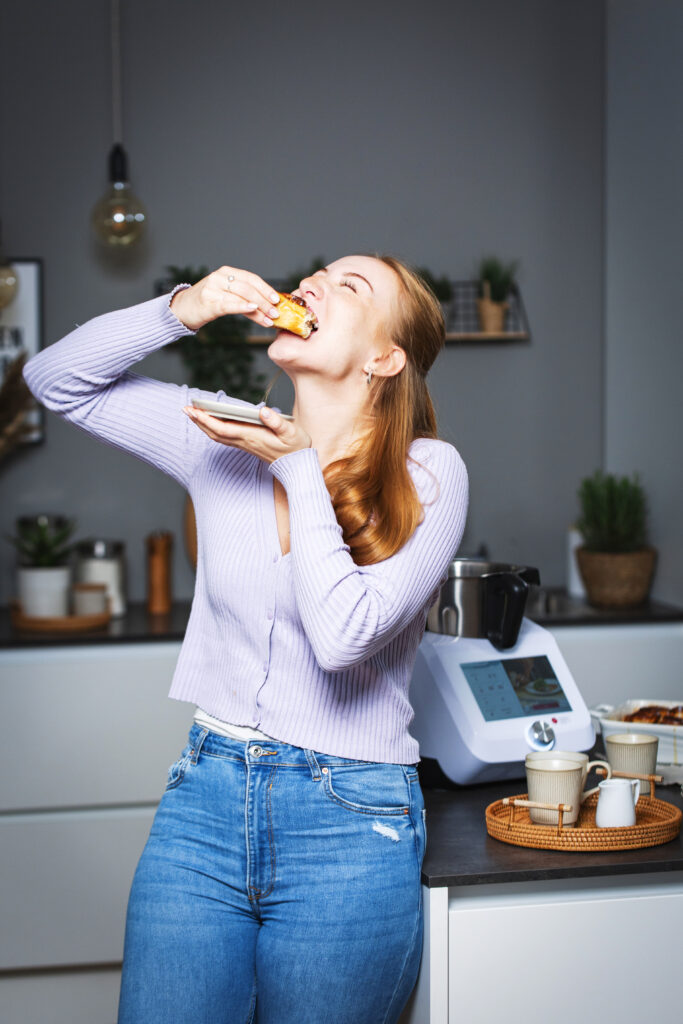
point(309, 647)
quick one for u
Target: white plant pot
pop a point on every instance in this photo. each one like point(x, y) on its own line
point(44, 592)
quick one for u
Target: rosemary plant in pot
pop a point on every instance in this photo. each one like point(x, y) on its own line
point(496, 281)
point(616, 563)
point(43, 572)
point(218, 358)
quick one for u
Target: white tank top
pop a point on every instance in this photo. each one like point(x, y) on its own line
point(235, 732)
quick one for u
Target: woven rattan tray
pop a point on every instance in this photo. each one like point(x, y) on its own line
point(657, 822)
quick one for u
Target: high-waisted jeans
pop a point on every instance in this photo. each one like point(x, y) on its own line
point(277, 886)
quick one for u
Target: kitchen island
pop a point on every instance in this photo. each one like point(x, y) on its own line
point(519, 934)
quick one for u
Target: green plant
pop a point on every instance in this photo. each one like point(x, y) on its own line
point(441, 286)
point(219, 356)
point(613, 513)
point(41, 540)
point(292, 281)
point(500, 276)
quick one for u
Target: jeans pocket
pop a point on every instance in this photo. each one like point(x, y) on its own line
point(176, 772)
point(368, 789)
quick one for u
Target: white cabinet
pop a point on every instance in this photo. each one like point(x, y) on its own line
point(65, 883)
point(560, 950)
point(88, 735)
point(612, 663)
point(88, 726)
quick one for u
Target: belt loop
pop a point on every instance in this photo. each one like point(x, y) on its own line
point(198, 745)
point(313, 764)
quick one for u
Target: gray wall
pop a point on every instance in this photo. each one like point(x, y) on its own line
point(644, 257)
point(442, 132)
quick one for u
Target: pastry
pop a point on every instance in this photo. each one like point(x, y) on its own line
point(655, 714)
point(294, 315)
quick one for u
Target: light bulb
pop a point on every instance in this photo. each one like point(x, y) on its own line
point(9, 282)
point(118, 217)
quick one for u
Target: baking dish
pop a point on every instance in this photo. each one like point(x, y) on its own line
point(608, 719)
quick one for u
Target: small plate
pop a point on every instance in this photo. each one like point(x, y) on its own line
point(228, 411)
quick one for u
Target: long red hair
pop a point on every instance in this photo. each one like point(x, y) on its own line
point(372, 492)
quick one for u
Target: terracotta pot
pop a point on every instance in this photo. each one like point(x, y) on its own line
point(491, 315)
point(190, 531)
point(617, 580)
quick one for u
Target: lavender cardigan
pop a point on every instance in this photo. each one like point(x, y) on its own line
point(308, 647)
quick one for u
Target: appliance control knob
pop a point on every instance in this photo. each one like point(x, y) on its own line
point(541, 736)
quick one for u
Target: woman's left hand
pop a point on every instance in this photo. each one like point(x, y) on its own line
point(280, 438)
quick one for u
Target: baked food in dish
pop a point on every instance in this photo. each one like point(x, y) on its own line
point(655, 714)
point(294, 315)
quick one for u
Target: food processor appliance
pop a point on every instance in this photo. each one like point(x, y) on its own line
point(489, 685)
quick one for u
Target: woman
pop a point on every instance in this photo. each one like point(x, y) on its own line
point(281, 879)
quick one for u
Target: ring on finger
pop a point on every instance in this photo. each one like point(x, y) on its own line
point(231, 278)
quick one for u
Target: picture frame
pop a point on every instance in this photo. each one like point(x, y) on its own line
point(21, 330)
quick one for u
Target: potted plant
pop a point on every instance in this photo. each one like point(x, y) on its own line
point(43, 572)
point(218, 358)
point(442, 287)
point(293, 280)
point(615, 561)
point(496, 281)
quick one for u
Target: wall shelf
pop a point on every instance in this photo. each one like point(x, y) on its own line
point(462, 317)
point(452, 337)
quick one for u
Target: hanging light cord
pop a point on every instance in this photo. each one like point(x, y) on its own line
point(116, 71)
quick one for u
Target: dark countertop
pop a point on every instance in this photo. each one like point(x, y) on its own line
point(547, 607)
point(461, 852)
point(136, 626)
point(553, 606)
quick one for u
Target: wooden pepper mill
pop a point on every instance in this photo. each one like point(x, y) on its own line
point(159, 595)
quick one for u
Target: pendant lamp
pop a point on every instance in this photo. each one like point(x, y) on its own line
point(118, 218)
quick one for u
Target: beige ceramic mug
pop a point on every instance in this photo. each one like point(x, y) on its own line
point(558, 777)
point(576, 756)
point(633, 752)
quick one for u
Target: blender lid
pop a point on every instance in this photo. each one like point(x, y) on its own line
point(472, 568)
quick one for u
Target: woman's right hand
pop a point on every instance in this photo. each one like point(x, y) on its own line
point(226, 290)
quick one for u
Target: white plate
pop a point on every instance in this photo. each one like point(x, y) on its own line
point(228, 411)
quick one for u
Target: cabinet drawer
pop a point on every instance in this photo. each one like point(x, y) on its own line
point(89, 726)
point(566, 950)
point(64, 883)
point(61, 997)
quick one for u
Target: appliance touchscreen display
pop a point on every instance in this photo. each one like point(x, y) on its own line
point(515, 687)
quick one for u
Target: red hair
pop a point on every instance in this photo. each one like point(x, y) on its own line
point(373, 494)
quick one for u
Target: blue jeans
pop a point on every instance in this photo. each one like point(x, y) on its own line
point(277, 886)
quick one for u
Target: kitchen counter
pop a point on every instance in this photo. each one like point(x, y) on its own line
point(553, 606)
point(136, 626)
point(547, 607)
point(503, 924)
point(460, 851)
